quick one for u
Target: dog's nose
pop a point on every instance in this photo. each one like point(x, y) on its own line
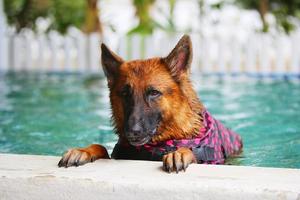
point(136, 129)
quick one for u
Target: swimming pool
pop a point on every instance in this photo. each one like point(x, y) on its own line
point(49, 113)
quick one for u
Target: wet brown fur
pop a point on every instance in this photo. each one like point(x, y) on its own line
point(179, 104)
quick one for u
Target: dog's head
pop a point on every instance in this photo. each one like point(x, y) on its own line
point(153, 100)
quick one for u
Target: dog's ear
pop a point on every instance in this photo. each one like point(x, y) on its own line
point(180, 58)
point(110, 63)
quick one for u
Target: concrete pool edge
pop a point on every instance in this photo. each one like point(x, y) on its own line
point(38, 177)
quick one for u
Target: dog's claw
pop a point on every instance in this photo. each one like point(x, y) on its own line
point(184, 167)
point(178, 160)
point(76, 164)
point(81, 156)
point(60, 163)
point(177, 167)
point(164, 166)
point(74, 157)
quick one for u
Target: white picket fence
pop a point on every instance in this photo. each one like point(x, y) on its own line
point(215, 51)
point(51, 52)
point(257, 53)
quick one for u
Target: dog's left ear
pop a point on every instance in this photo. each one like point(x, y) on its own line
point(180, 58)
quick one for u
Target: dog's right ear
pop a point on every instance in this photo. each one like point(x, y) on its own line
point(110, 63)
point(180, 58)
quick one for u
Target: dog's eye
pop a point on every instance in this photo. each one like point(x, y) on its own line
point(154, 93)
point(125, 92)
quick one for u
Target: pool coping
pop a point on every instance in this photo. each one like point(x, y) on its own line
point(38, 177)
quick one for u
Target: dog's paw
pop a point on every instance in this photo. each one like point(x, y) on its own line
point(178, 160)
point(75, 157)
point(81, 156)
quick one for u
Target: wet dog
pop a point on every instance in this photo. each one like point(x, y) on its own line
point(157, 114)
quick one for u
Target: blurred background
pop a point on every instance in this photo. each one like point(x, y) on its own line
point(229, 36)
point(246, 69)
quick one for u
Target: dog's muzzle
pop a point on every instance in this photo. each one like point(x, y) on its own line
point(138, 137)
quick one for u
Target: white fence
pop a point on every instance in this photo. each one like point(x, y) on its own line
point(214, 53)
point(51, 52)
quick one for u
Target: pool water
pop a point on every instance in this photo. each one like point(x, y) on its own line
point(49, 113)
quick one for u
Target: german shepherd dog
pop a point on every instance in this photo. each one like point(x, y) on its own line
point(157, 115)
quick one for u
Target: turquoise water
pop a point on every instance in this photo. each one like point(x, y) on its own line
point(47, 114)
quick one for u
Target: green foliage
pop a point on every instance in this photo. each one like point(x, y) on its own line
point(146, 22)
point(62, 13)
point(217, 5)
point(67, 13)
point(284, 11)
point(82, 14)
point(170, 27)
point(24, 13)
